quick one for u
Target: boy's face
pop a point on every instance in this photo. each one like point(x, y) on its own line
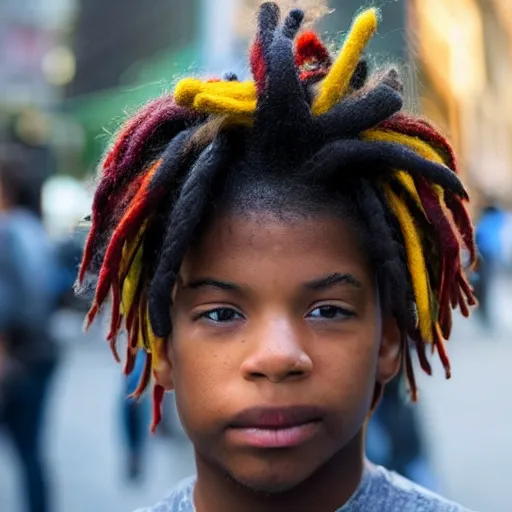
point(277, 346)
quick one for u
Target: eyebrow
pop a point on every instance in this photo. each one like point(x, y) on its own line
point(326, 282)
point(212, 283)
point(323, 283)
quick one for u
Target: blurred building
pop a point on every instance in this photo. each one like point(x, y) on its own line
point(113, 40)
point(126, 53)
point(34, 58)
point(34, 64)
point(463, 50)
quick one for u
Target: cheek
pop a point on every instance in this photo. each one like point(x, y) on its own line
point(347, 371)
point(204, 375)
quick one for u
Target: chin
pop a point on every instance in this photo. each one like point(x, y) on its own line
point(266, 487)
point(270, 481)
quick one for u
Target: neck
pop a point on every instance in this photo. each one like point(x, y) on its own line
point(328, 489)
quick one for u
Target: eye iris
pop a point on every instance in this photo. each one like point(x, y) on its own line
point(328, 311)
point(222, 315)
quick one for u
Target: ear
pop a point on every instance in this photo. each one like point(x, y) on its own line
point(389, 358)
point(390, 351)
point(163, 371)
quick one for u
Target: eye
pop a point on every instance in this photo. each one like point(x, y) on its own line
point(330, 312)
point(222, 315)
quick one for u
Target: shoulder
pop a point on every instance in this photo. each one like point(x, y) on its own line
point(180, 499)
point(391, 492)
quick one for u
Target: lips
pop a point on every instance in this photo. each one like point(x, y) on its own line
point(275, 427)
point(275, 418)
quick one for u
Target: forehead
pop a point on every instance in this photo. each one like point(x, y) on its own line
point(262, 243)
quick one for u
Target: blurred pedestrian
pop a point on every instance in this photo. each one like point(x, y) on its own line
point(27, 299)
point(490, 232)
point(135, 419)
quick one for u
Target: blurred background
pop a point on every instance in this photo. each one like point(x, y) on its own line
point(72, 70)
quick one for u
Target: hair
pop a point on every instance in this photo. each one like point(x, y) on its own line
point(308, 125)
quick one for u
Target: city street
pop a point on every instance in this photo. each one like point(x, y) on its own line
point(132, 132)
point(468, 421)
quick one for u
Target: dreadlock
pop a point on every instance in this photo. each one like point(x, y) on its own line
point(306, 121)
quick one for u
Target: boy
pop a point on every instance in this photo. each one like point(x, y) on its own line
point(279, 247)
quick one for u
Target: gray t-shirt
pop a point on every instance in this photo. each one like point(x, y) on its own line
point(379, 490)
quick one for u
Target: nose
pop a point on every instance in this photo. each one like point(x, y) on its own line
point(277, 352)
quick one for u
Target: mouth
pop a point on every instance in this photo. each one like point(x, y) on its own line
point(275, 427)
